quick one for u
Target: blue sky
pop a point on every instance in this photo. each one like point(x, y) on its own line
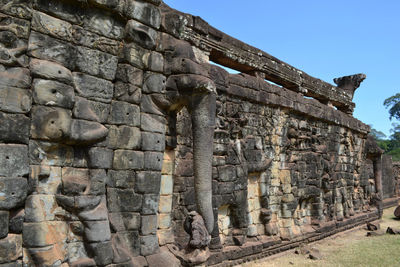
point(326, 39)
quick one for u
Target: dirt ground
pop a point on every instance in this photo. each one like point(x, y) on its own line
point(350, 248)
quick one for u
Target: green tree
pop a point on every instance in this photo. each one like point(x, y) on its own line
point(393, 103)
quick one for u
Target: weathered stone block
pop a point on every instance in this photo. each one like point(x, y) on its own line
point(51, 26)
point(15, 100)
point(134, 55)
point(124, 113)
point(121, 179)
point(165, 205)
point(17, 218)
point(50, 70)
point(167, 185)
point(97, 231)
point(13, 160)
point(90, 39)
point(226, 173)
point(100, 158)
point(103, 23)
point(154, 83)
point(10, 248)
point(124, 137)
point(148, 225)
point(93, 88)
point(153, 161)
point(91, 110)
point(131, 241)
point(102, 253)
point(148, 245)
point(51, 154)
point(124, 221)
point(19, 27)
point(153, 123)
point(150, 204)
point(4, 218)
point(141, 34)
point(148, 182)
point(45, 47)
point(164, 220)
point(39, 208)
point(75, 180)
point(42, 234)
point(98, 181)
point(123, 200)
point(126, 159)
point(148, 105)
point(129, 74)
point(14, 128)
point(154, 62)
point(127, 92)
point(52, 93)
point(50, 123)
point(15, 77)
point(86, 132)
point(143, 12)
point(96, 63)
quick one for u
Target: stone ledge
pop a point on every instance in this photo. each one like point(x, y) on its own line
point(231, 256)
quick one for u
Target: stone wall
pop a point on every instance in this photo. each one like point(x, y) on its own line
point(121, 144)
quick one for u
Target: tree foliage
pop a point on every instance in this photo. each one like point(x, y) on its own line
point(391, 146)
point(393, 103)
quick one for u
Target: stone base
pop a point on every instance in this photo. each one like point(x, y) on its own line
point(267, 246)
point(390, 202)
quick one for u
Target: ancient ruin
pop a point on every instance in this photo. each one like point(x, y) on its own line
point(123, 144)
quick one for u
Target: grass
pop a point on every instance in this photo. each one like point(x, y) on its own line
point(351, 248)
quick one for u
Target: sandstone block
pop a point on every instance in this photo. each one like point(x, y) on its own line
point(15, 100)
point(126, 159)
point(150, 204)
point(226, 173)
point(164, 220)
point(153, 123)
point(39, 208)
point(19, 27)
point(121, 179)
point(139, 33)
point(100, 158)
point(154, 62)
point(129, 74)
point(42, 234)
point(91, 110)
point(10, 248)
point(154, 83)
point(13, 160)
point(50, 70)
point(124, 137)
point(50, 123)
point(148, 225)
point(4, 218)
point(134, 55)
point(148, 105)
point(75, 180)
point(153, 161)
point(15, 77)
point(148, 245)
point(45, 47)
point(127, 92)
point(46, 24)
point(124, 113)
point(148, 182)
point(124, 221)
point(165, 205)
point(14, 128)
point(102, 252)
point(123, 200)
point(97, 231)
point(87, 132)
point(93, 88)
point(17, 218)
point(52, 154)
point(167, 185)
point(131, 241)
point(52, 93)
point(143, 12)
point(165, 237)
point(96, 63)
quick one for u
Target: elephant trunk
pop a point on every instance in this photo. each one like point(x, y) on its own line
point(203, 123)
